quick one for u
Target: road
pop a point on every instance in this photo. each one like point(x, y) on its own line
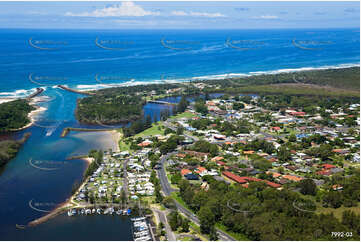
point(163, 218)
point(167, 190)
point(125, 178)
point(170, 126)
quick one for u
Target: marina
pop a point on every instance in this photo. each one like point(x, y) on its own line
point(141, 229)
point(98, 211)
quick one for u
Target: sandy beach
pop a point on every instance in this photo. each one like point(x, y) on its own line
point(116, 136)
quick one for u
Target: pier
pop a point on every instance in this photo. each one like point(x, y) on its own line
point(37, 92)
point(68, 129)
point(75, 91)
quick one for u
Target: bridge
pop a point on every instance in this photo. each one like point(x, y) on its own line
point(161, 102)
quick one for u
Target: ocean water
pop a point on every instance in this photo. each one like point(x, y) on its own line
point(88, 59)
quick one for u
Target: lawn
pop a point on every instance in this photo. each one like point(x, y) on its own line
point(185, 115)
point(337, 211)
point(156, 129)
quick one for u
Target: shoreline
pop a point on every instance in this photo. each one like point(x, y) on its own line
point(31, 117)
point(70, 203)
point(87, 88)
point(61, 208)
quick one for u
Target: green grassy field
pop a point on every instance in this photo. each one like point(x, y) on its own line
point(337, 211)
point(185, 115)
point(156, 129)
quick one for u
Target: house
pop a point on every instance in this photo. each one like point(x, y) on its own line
point(337, 187)
point(234, 177)
point(248, 152)
point(185, 172)
point(145, 143)
point(275, 129)
point(297, 113)
point(292, 178)
point(324, 173)
point(201, 171)
point(217, 158)
point(328, 166)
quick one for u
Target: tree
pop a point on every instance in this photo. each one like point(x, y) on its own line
point(308, 187)
point(292, 138)
point(200, 107)
point(180, 130)
point(207, 219)
point(333, 198)
point(213, 236)
point(168, 202)
point(283, 154)
point(182, 105)
point(185, 225)
point(173, 219)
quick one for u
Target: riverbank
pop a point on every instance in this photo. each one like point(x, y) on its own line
point(32, 115)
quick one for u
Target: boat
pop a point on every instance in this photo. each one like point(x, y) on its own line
point(106, 211)
point(82, 211)
point(119, 212)
point(70, 213)
point(111, 210)
point(93, 210)
point(99, 211)
point(20, 226)
point(143, 238)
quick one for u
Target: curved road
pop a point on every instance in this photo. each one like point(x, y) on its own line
point(167, 190)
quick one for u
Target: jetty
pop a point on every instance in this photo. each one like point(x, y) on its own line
point(36, 93)
point(75, 91)
point(161, 102)
point(68, 129)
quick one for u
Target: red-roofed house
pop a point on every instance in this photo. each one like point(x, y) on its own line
point(234, 177)
point(185, 172)
point(145, 143)
point(297, 113)
point(328, 166)
point(220, 163)
point(201, 170)
point(276, 128)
